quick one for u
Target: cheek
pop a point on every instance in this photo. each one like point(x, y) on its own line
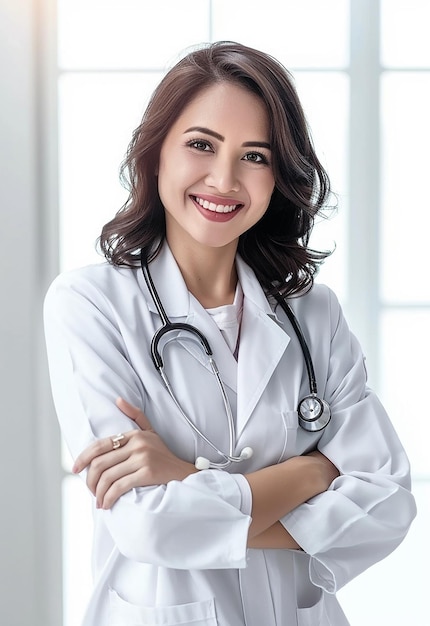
point(168, 182)
point(176, 177)
point(264, 190)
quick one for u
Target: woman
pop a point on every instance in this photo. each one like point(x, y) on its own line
point(217, 503)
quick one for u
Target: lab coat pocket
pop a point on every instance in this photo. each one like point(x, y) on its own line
point(314, 615)
point(291, 424)
point(122, 613)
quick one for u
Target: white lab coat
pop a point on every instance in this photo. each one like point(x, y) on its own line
point(176, 553)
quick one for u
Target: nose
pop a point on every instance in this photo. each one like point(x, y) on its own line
point(223, 175)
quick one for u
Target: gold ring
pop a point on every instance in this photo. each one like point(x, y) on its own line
point(116, 441)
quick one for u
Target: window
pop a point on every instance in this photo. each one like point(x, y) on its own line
point(362, 69)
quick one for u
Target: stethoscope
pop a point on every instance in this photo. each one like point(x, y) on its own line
point(313, 413)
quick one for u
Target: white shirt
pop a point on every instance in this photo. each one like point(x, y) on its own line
point(228, 318)
point(177, 553)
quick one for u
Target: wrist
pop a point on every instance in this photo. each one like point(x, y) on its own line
point(185, 469)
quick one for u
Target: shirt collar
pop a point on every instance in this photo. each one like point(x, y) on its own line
point(174, 293)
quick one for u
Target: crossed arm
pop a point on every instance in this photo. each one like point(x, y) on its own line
point(145, 460)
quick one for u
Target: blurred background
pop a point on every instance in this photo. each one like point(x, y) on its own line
point(75, 78)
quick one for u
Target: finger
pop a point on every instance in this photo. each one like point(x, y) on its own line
point(96, 449)
point(110, 477)
point(120, 487)
point(134, 413)
point(102, 466)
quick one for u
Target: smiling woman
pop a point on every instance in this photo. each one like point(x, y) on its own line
point(364, 86)
point(186, 533)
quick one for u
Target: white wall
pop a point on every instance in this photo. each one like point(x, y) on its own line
point(30, 561)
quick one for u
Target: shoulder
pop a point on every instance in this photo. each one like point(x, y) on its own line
point(98, 283)
point(320, 302)
point(98, 277)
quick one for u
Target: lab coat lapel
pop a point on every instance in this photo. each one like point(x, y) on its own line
point(263, 342)
point(181, 306)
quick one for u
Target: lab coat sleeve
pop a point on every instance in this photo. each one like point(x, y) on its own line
point(368, 509)
point(197, 523)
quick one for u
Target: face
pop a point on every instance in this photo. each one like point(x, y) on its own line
point(215, 178)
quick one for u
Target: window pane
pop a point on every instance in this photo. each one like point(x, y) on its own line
point(128, 33)
point(97, 115)
point(404, 350)
point(77, 548)
point(325, 98)
point(300, 33)
point(405, 33)
point(405, 209)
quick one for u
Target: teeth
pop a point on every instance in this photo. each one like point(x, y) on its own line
point(216, 208)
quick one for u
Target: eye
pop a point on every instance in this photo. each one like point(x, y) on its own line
point(200, 144)
point(256, 157)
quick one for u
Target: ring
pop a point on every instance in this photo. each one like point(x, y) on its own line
point(116, 441)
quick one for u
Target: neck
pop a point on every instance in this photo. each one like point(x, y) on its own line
point(209, 273)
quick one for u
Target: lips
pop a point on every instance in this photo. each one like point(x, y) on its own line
point(216, 207)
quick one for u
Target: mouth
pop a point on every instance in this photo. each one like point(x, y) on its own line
point(216, 208)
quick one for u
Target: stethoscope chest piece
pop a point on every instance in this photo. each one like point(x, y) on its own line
point(314, 413)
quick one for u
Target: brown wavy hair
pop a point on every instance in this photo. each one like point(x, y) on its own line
point(276, 248)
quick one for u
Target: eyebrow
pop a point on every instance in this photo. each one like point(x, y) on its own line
point(212, 133)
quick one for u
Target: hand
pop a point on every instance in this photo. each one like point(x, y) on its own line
point(142, 460)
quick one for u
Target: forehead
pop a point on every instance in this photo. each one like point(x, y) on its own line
point(224, 107)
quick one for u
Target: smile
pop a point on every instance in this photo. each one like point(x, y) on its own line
point(216, 208)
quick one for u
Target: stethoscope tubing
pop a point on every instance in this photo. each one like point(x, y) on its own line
point(313, 413)
point(304, 346)
point(168, 326)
